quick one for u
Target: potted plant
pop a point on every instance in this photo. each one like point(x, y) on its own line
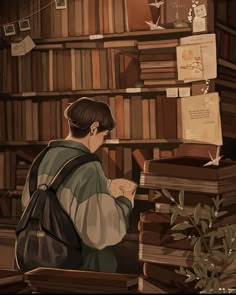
point(214, 248)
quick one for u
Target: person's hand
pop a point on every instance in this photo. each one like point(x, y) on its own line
point(128, 195)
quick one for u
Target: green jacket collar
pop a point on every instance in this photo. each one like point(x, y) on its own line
point(68, 144)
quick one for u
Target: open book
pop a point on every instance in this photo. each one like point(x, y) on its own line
point(201, 122)
point(116, 185)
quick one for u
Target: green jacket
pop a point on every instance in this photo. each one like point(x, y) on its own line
point(100, 219)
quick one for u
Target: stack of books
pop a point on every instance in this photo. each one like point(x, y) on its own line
point(176, 173)
point(161, 255)
point(12, 282)
point(51, 280)
point(159, 252)
point(158, 64)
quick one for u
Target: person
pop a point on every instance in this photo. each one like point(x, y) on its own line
point(100, 219)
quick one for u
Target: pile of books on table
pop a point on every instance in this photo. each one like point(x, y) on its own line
point(49, 280)
point(12, 282)
point(159, 252)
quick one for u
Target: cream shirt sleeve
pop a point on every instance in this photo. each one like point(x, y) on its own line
point(100, 219)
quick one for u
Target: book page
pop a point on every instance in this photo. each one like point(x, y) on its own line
point(115, 186)
point(208, 47)
point(189, 62)
point(201, 119)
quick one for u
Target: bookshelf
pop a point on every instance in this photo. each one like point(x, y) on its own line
point(225, 28)
point(97, 55)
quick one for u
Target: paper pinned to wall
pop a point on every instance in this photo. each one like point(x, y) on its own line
point(199, 24)
point(189, 62)
point(200, 10)
point(18, 49)
point(201, 121)
point(22, 47)
point(207, 44)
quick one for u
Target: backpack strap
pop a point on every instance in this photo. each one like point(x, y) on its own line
point(68, 167)
point(33, 174)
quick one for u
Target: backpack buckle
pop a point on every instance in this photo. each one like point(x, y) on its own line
point(40, 233)
point(43, 187)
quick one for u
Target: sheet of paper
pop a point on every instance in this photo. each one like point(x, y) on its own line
point(18, 49)
point(200, 10)
point(199, 24)
point(184, 91)
point(172, 92)
point(29, 44)
point(201, 119)
point(189, 62)
point(208, 48)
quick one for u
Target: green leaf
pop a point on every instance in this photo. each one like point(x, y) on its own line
point(166, 193)
point(157, 195)
point(181, 198)
point(181, 226)
point(197, 214)
point(213, 212)
point(178, 236)
point(212, 233)
point(226, 248)
point(197, 248)
point(181, 212)
point(216, 204)
point(190, 279)
point(221, 213)
point(217, 247)
point(213, 273)
point(200, 284)
point(219, 254)
point(194, 240)
point(208, 208)
point(227, 273)
point(209, 285)
point(212, 241)
point(232, 257)
point(204, 226)
point(173, 217)
point(181, 271)
point(216, 286)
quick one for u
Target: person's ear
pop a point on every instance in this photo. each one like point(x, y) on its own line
point(93, 128)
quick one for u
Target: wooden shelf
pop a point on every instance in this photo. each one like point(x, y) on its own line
point(227, 64)
point(22, 143)
point(10, 192)
point(225, 28)
point(229, 135)
point(8, 222)
point(93, 92)
point(107, 142)
point(135, 34)
point(225, 83)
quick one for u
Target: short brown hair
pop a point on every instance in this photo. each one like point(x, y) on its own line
point(83, 112)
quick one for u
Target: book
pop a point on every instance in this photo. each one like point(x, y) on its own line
point(166, 275)
point(116, 185)
point(190, 167)
point(146, 285)
point(10, 276)
point(163, 239)
point(141, 155)
point(148, 180)
point(82, 278)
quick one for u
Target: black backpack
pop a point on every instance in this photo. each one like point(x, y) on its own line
point(45, 234)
